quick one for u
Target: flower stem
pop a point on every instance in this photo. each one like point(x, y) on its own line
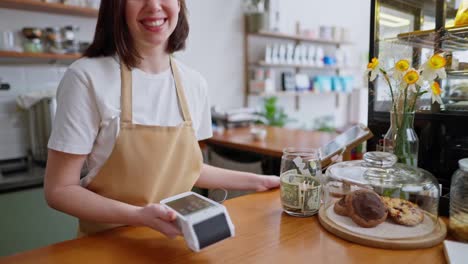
point(391, 92)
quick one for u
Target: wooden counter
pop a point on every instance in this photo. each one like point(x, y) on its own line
point(263, 235)
point(276, 140)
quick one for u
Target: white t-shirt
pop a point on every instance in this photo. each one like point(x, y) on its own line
point(88, 107)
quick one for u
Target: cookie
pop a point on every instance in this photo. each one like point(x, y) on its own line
point(340, 207)
point(366, 208)
point(403, 212)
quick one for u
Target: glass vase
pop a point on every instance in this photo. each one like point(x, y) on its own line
point(401, 139)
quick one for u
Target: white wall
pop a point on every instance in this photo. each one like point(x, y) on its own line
point(215, 48)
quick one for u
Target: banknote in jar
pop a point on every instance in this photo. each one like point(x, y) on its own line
point(300, 194)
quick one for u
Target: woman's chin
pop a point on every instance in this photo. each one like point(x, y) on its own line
point(154, 43)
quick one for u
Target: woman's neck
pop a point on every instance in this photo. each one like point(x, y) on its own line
point(154, 60)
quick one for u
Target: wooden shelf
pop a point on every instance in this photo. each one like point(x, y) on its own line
point(267, 34)
point(301, 66)
point(57, 8)
point(30, 55)
point(452, 38)
point(458, 73)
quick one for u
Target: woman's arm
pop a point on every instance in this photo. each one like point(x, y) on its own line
point(64, 193)
point(213, 177)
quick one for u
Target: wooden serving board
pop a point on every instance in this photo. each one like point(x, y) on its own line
point(426, 241)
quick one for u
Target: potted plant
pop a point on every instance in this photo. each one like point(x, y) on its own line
point(272, 114)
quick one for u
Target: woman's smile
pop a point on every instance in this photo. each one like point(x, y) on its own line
point(154, 24)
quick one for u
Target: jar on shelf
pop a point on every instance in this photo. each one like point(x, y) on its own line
point(300, 184)
point(70, 43)
point(33, 45)
point(69, 32)
point(458, 225)
point(54, 40)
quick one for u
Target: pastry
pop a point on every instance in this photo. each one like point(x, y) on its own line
point(340, 207)
point(403, 212)
point(366, 208)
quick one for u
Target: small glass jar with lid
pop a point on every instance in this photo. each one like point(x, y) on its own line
point(459, 202)
point(54, 40)
point(405, 191)
point(33, 45)
point(300, 185)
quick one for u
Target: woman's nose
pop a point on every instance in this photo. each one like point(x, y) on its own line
point(154, 4)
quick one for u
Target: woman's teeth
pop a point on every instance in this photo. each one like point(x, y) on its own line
point(155, 23)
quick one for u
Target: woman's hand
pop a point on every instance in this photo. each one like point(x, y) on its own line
point(159, 218)
point(267, 182)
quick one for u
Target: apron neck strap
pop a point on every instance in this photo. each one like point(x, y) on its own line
point(180, 91)
point(126, 93)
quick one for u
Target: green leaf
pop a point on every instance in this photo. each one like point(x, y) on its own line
point(421, 93)
point(274, 115)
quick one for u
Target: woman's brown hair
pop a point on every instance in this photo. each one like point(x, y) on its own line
point(113, 36)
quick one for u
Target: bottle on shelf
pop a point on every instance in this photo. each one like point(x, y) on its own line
point(311, 55)
point(290, 54)
point(297, 54)
point(274, 54)
point(282, 54)
point(319, 54)
point(269, 81)
point(268, 54)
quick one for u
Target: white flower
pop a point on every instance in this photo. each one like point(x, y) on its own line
point(400, 68)
point(435, 93)
point(373, 69)
point(411, 79)
point(434, 67)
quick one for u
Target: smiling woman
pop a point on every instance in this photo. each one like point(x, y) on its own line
point(135, 115)
point(138, 19)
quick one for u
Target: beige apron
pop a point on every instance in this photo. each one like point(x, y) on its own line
point(148, 163)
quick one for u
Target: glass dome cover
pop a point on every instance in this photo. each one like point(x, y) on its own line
point(380, 172)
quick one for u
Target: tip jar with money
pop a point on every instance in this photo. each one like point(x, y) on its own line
point(300, 181)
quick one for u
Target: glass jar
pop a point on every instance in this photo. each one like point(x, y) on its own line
point(54, 40)
point(399, 183)
point(69, 32)
point(300, 184)
point(33, 45)
point(458, 225)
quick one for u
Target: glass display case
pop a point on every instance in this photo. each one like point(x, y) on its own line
point(379, 198)
point(414, 30)
point(378, 171)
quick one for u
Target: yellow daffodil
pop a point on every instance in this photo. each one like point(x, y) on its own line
point(402, 65)
point(435, 93)
point(411, 79)
point(434, 67)
point(400, 69)
point(373, 69)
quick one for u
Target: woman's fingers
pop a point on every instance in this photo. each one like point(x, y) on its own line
point(169, 229)
point(160, 218)
point(272, 182)
point(268, 182)
point(162, 212)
